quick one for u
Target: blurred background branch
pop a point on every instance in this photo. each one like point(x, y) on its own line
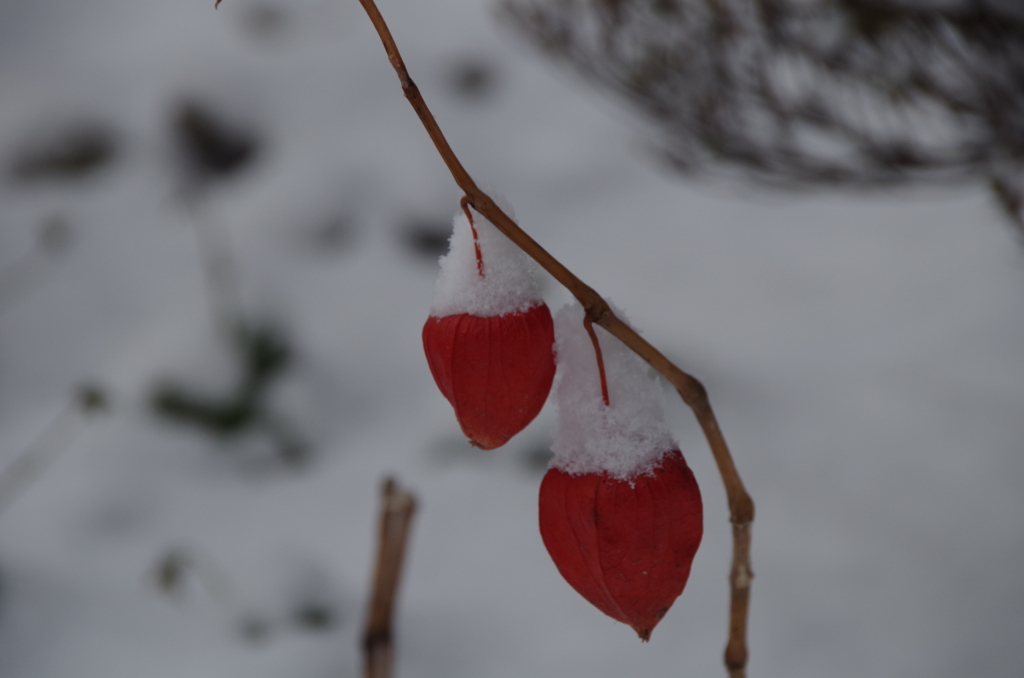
point(853, 93)
point(53, 440)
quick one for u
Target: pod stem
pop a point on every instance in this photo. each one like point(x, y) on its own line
point(600, 359)
point(476, 239)
point(741, 506)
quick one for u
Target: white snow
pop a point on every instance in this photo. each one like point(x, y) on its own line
point(507, 283)
point(624, 439)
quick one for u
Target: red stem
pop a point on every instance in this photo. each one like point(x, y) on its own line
point(600, 359)
point(476, 240)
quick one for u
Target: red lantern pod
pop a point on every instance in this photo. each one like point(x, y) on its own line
point(495, 371)
point(625, 546)
point(620, 511)
point(489, 339)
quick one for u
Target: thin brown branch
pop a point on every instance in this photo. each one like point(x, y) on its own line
point(50, 443)
point(397, 508)
point(741, 507)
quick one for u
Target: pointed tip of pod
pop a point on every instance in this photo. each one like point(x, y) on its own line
point(486, 444)
point(645, 634)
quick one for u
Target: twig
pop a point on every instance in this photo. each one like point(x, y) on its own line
point(55, 438)
point(213, 578)
point(220, 273)
point(23, 275)
point(16, 278)
point(741, 506)
point(397, 508)
point(180, 561)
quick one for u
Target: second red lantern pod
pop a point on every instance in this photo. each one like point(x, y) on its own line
point(620, 512)
point(489, 340)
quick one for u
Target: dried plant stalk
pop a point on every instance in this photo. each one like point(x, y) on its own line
point(741, 506)
point(397, 508)
point(55, 439)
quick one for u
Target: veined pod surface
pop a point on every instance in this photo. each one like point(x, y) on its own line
point(495, 371)
point(625, 546)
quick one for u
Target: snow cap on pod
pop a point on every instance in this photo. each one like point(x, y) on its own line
point(507, 285)
point(624, 439)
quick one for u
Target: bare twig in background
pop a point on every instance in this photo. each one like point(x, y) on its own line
point(55, 438)
point(741, 507)
point(854, 93)
point(179, 563)
point(220, 272)
point(55, 237)
point(397, 508)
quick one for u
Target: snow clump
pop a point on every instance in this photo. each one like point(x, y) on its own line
point(507, 285)
point(628, 437)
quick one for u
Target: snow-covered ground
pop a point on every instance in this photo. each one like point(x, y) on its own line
point(865, 355)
